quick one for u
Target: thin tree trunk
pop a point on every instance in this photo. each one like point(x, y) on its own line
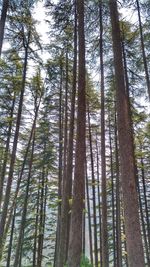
point(41, 219)
point(13, 206)
point(118, 210)
point(13, 156)
point(2, 22)
point(103, 161)
point(75, 242)
point(145, 199)
point(143, 226)
point(36, 230)
point(11, 239)
point(56, 256)
point(99, 199)
point(143, 50)
point(93, 195)
point(3, 172)
point(66, 121)
point(89, 218)
point(128, 177)
point(24, 213)
point(113, 195)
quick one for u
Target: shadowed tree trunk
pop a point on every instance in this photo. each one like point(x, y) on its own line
point(13, 205)
point(18, 253)
point(93, 194)
point(65, 215)
point(14, 149)
point(2, 22)
point(113, 194)
point(118, 199)
point(128, 176)
point(143, 50)
point(75, 242)
point(89, 218)
point(103, 160)
point(99, 198)
point(3, 172)
point(56, 257)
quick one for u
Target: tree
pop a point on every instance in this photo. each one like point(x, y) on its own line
point(2, 22)
point(128, 179)
point(75, 242)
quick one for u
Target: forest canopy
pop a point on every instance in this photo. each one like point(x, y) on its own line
point(75, 133)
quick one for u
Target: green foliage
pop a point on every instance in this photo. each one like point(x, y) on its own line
point(85, 262)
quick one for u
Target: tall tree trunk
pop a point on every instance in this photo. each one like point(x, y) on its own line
point(143, 49)
point(103, 161)
point(128, 176)
point(11, 239)
point(24, 213)
point(118, 199)
point(3, 172)
point(146, 247)
point(145, 199)
point(65, 215)
point(75, 242)
point(113, 195)
point(2, 22)
point(36, 229)
point(56, 257)
point(89, 218)
point(93, 194)
point(66, 121)
point(13, 205)
point(41, 220)
point(99, 198)
point(13, 156)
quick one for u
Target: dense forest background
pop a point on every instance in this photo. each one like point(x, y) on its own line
point(75, 133)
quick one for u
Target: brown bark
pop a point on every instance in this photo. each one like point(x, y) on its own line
point(75, 242)
point(99, 198)
point(103, 161)
point(36, 229)
point(56, 257)
point(11, 239)
point(41, 221)
point(128, 177)
point(118, 199)
point(113, 195)
point(13, 205)
point(3, 172)
point(24, 213)
point(14, 149)
point(143, 50)
point(89, 218)
point(65, 215)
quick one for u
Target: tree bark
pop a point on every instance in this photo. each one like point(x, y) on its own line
point(103, 161)
point(128, 178)
point(118, 200)
point(93, 194)
point(14, 149)
point(56, 257)
point(65, 215)
point(2, 22)
point(24, 213)
point(89, 218)
point(143, 49)
point(75, 242)
point(3, 172)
